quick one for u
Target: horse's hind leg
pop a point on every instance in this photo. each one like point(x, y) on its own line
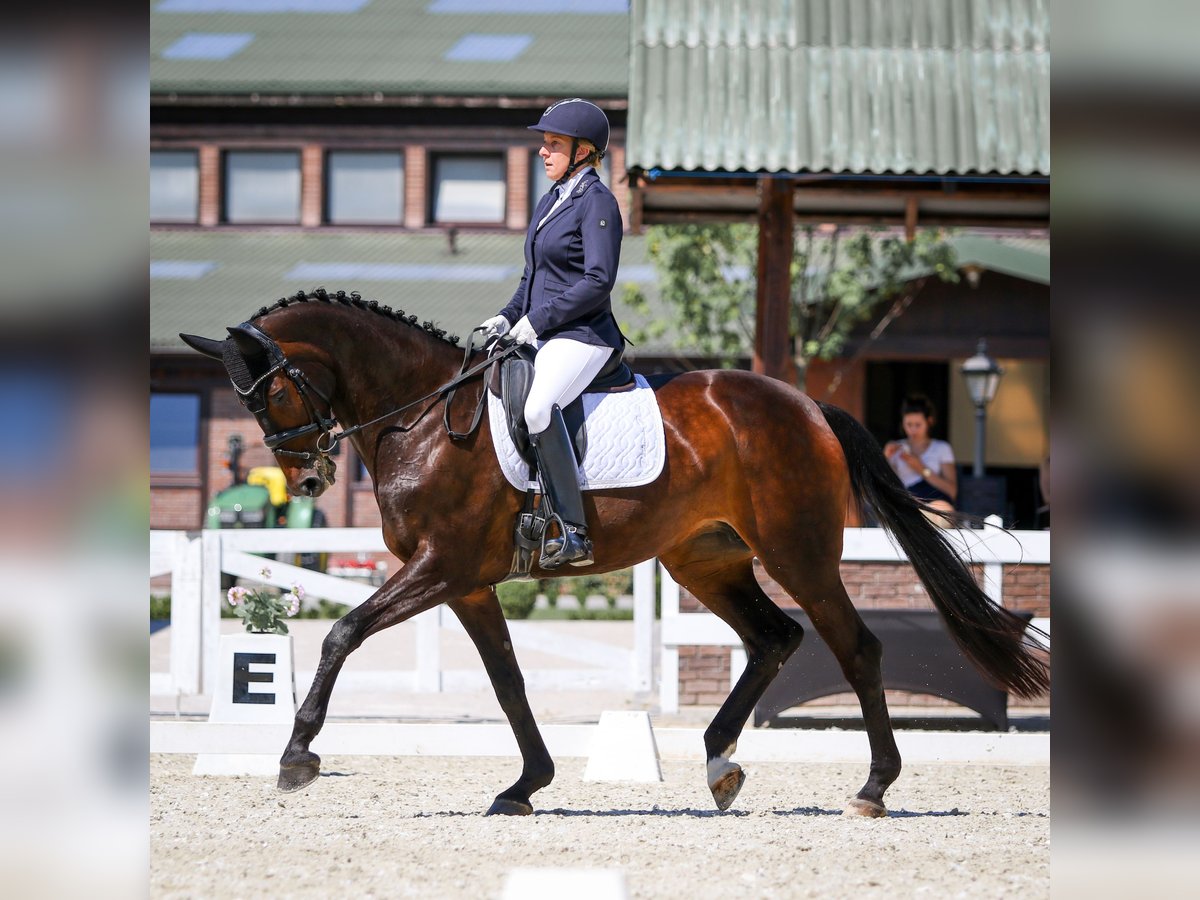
point(718, 570)
point(483, 619)
point(859, 653)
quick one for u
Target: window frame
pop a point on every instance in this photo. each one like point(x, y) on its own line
point(193, 478)
point(327, 186)
point(436, 157)
point(194, 152)
point(227, 182)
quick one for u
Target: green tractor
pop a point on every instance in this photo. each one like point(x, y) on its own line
point(261, 501)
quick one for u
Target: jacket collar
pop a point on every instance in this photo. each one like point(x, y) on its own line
point(577, 190)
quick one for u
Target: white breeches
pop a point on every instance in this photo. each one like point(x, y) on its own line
point(562, 369)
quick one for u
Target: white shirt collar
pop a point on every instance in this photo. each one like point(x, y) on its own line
point(565, 189)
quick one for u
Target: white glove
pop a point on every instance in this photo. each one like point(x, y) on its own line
point(497, 325)
point(523, 332)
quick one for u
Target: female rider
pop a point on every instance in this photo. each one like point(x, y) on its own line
point(563, 306)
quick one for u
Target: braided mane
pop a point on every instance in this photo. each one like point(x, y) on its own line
point(354, 299)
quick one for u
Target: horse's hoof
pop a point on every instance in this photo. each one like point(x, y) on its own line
point(868, 808)
point(299, 775)
point(725, 784)
point(504, 807)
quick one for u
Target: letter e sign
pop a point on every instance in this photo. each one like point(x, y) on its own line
point(242, 676)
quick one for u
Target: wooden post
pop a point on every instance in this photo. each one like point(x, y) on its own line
point(775, 249)
point(910, 218)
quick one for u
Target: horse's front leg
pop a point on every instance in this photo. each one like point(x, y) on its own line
point(483, 619)
point(419, 586)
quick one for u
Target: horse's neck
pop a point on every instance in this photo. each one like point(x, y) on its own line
point(390, 373)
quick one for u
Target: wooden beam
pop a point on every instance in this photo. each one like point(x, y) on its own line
point(910, 218)
point(775, 250)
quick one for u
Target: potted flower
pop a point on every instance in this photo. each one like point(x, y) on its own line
point(263, 612)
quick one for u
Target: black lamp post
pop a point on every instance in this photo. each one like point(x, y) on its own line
point(982, 375)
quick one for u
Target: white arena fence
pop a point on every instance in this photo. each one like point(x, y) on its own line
point(195, 560)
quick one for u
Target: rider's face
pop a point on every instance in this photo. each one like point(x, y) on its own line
point(556, 154)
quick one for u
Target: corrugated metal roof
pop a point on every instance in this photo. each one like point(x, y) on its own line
point(859, 86)
point(203, 281)
point(394, 46)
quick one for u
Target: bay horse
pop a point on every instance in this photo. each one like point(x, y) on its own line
point(754, 468)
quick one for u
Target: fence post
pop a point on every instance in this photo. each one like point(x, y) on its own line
point(429, 651)
point(185, 613)
point(210, 606)
point(643, 625)
point(668, 684)
point(993, 572)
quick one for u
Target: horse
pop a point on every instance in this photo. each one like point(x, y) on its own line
point(754, 469)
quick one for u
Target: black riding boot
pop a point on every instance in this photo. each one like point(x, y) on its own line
point(560, 486)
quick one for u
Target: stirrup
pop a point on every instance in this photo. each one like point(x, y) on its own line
point(572, 546)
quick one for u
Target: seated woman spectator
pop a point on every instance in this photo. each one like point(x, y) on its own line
point(925, 465)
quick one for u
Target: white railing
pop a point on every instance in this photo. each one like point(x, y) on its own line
point(196, 561)
point(990, 546)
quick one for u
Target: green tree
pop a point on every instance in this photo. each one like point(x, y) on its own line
point(841, 278)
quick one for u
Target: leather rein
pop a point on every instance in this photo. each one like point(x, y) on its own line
point(324, 425)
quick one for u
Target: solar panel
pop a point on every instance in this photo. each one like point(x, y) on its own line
point(180, 269)
point(488, 48)
point(196, 45)
point(532, 7)
point(334, 271)
point(258, 7)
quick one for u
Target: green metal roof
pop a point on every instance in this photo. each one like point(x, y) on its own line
point(202, 281)
point(390, 46)
point(846, 86)
point(1027, 258)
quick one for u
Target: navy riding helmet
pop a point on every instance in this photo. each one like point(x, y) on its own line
point(576, 118)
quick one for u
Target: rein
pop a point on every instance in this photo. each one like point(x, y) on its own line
point(325, 425)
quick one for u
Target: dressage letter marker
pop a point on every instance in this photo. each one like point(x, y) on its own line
point(256, 684)
point(623, 749)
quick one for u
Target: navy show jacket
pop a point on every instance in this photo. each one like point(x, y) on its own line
point(571, 267)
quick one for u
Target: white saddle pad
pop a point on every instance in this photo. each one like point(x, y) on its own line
point(626, 445)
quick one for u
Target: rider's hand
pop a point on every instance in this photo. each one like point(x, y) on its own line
point(523, 332)
point(496, 325)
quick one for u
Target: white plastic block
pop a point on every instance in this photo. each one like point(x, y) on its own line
point(623, 749)
point(555, 884)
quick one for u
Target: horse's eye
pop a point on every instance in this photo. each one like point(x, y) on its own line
point(278, 395)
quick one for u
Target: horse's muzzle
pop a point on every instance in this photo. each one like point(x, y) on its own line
point(311, 486)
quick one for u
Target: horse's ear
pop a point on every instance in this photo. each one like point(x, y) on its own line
point(246, 343)
point(207, 346)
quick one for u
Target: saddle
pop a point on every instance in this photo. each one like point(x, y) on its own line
point(510, 381)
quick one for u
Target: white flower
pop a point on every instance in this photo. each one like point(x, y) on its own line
point(291, 604)
point(298, 590)
point(265, 572)
point(237, 595)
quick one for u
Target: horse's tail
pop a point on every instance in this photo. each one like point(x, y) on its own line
point(992, 637)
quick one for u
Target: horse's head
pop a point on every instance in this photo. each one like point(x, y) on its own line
point(289, 397)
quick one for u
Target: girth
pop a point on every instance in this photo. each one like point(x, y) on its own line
point(511, 380)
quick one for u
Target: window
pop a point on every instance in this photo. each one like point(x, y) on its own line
point(539, 184)
point(174, 433)
point(469, 189)
point(174, 185)
point(365, 188)
point(262, 186)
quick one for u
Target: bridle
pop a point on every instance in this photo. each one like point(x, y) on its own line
point(254, 399)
